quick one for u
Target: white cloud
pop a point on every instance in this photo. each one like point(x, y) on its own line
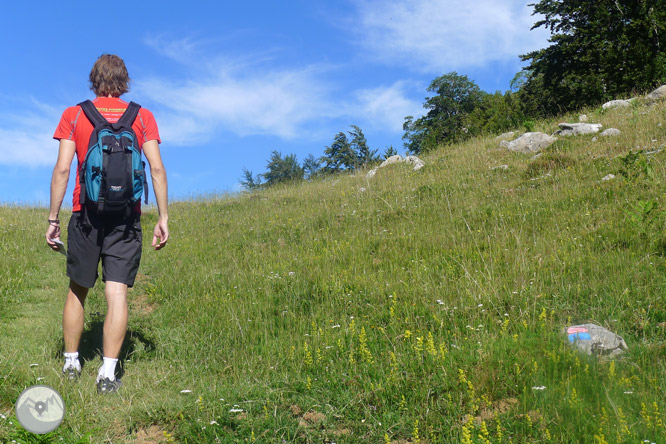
point(26, 137)
point(387, 107)
point(441, 35)
point(255, 98)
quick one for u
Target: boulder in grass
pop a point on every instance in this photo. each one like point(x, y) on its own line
point(616, 104)
point(505, 136)
point(611, 132)
point(578, 129)
point(657, 94)
point(593, 339)
point(529, 143)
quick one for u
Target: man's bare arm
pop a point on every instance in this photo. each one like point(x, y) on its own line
point(59, 181)
point(152, 151)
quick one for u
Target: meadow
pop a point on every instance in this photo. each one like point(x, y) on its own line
point(413, 307)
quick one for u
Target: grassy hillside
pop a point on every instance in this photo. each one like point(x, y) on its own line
point(419, 306)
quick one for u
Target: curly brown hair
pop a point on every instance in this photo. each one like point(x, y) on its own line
point(109, 76)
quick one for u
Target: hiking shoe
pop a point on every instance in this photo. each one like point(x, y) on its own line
point(105, 385)
point(71, 373)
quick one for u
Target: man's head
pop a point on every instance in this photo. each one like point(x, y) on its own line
point(109, 77)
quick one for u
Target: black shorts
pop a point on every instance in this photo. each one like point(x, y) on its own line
point(116, 241)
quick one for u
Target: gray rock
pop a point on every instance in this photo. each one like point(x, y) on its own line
point(582, 118)
point(593, 339)
point(578, 129)
point(500, 167)
point(611, 132)
point(616, 104)
point(505, 136)
point(391, 160)
point(658, 93)
point(529, 143)
point(412, 160)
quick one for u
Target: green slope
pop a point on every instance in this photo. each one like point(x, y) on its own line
point(411, 307)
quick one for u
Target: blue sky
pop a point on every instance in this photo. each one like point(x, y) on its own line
point(229, 82)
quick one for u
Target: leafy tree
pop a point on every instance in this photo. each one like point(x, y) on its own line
point(282, 169)
point(456, 97)
point(599, 50)
point(496, 113)
point(339, 156)
point(359, 145)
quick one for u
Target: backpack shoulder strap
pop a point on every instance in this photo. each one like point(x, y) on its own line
point(128, 117)
point(95, 117)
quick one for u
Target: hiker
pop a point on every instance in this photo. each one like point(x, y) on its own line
point(105, 226)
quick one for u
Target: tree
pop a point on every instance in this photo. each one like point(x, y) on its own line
point(339, 156)
point(250, 182)
point(456, 97)
point(600, 50)
point(311, 166)
point(281, 169)
point(359, 145)
point(389, 151)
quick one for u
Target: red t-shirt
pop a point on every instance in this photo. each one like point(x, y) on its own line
point(74, 125)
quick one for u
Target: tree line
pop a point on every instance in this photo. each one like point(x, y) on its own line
point(348, 152)
point(599, 51)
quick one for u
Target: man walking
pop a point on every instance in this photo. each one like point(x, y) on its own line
point(113, 239)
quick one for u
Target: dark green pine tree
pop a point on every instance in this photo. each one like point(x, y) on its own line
point(339, 156)
point(282, 169)
point(364, 155)
point(600, 50)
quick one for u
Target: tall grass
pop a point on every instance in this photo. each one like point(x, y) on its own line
point(419, 306)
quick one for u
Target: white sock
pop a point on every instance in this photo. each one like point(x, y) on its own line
point(72, 360)
point(108, 369)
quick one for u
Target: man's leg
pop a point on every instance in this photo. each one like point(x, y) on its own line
point(115, 324)
point(72, 328)
point(72, 318)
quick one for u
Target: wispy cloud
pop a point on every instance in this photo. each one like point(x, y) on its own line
point(26, 136)
point(441, 35)
point(258, 98)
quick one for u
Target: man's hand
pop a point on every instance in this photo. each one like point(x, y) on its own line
point(53, 232)
point(160, 234)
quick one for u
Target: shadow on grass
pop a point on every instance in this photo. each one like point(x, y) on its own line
point(136, 344)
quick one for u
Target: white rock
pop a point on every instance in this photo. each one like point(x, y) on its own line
point(609, 177)
point(500, 167)
point(582, 118)
point(391, 160)
point(371, 173)
point(658, 93)
point(611, 132)
point(413, 160)
point(616, 104)
point(530, 143)
point(505, 136)
point(577, 129)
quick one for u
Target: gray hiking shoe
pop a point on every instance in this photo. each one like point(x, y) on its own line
point(105, 385)
point(71, 373)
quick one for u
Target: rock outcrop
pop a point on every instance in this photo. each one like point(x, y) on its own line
point(529, 143)
point(616, 104)
point(412, 160)
point(658, 93)
point(578, 129)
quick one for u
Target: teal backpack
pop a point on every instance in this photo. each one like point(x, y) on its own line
point(112, 176)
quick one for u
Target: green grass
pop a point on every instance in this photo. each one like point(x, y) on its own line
point(411, 307)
